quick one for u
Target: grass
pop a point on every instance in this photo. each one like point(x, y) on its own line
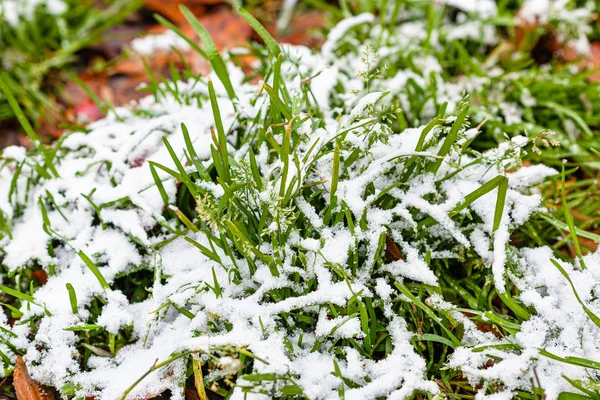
point(274, 185)
point(40, 50)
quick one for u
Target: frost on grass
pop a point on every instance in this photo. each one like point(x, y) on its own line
point(295, 242)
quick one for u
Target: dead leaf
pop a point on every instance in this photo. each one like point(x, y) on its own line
point(40, 275)
point(594, 61)
point(487, 327)
point(9, 134)
point(97, 83)
point(301, 30)
point(162, 395)
point(392, 252)
point(190, 394)
point(170, 8)
point(25, 387)
point(589, 244)
point(226, 27)
point(114, 41)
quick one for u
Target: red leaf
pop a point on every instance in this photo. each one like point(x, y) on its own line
point(25, 387)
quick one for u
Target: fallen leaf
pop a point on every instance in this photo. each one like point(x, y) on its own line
point(594, 61)
point(114, 41)
point(97, 83)
point(226, 27)
point(190, 394)
point(40, 275)
point(25, 387)
point(9, 134)
point(590, 244)
point(170, 9)
point(301, 30)
point(487, 327)
point(88, 112)
point(392, 252)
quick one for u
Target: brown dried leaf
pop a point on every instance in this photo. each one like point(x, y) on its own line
point(301, 29)
point(40, 275)
point(113, 41)
point(227, 28)
point(9, 134)
point(487, 327)
point(594, 61)
point(392, 252)
point(190, 394)
point(26, 388)
point(170, 9)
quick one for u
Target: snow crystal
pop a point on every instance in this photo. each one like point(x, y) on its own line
point(156, 42)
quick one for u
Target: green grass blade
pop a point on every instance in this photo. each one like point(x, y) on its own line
point(335, 175)
point(221, 136)
point(563, 110)
point(183, 218)
point(572, 396)
point(14, 105)
point(589, 312)
point(90, 93)
point(72, 298)
point(187, 181)
point(271, 43)
point(212, 54)
point(169, 171)
point(193, 155)
point(17, 294)
point(285, 159)
point(450, 139)
point(183, 311)
point(164, 22)
point(277, 103)
point(562, 226)
point(569, 219)
point(216, 287)
point(94, 268)
point(501, 200)
point(213, 256)
point(581, 362)
point(415, 300)
point(430, 337)
point(159, 185)
point(469, 199)
point(515, 307)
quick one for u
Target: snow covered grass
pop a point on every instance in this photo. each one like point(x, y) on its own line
point(373, 220)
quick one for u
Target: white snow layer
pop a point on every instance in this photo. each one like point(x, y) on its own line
point(12, 10)
point(162, 41)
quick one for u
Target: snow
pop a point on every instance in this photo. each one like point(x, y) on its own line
point(159, 42)
point(529, 176)
point(559, 326)
point(543, 11)
point(483, 8)
point(12, 11)
point(16, 153)
point(338, 32)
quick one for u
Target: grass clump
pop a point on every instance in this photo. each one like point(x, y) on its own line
point(39, 42)
point(349, 225)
